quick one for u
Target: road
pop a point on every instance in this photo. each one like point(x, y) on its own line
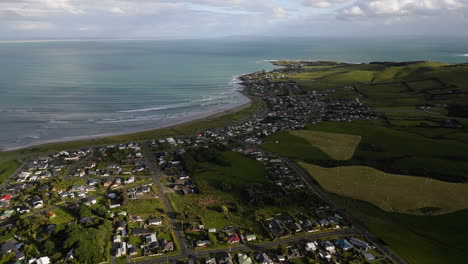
point(319, 192)
point(249, 247)
point(151, 163)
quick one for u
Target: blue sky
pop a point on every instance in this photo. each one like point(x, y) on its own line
point(44, 19)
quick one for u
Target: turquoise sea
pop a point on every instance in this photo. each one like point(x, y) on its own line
point(61, 90)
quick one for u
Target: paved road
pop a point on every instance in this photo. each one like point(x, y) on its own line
point(151, 163)
point(248, 247)
point(319, 192)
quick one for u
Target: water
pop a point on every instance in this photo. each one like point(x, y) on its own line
point(63, 90)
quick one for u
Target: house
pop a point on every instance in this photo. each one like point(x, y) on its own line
point(202, 243)
point(325, 255)
point(328, 246)
point(120, 249)
point(250, 237)
point(369, 256)
point(359, 243)
point(121, 225)
point(131, 250)
point(324, 222)
point(263, 258)
point(311, 246)
point(152, 240)
point(129, 180)
point(50, 214)
point(23, 209)
point(344, 244)
point(8, 247)
point(5, 198)
point(234, 238)
point(137, 231)
point(155, 221)
point(224, 258)
point(167, 246)
point(42, 260)
point(244, 259)
point(280, 258)
point(6, 214)
point(210, 261)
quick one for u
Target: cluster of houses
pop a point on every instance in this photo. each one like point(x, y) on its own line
point(327, 251)
point(55, 165)
point(148, 242)
point(12, 246)
point(227, 235)
point(115, 160)
point(332, 250)
point(288, 107)
point(277, 170)
point(171, 166)
point(322, 218)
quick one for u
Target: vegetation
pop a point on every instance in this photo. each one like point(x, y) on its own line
point(418, 239)
point(392, 192)
point(337, 146)
point(142, 207)
point(7, 167)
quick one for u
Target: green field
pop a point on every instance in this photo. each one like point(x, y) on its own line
point(7, 167)
point(418, 239)
point(337, 146)
point(62, 216)
point(241, 172)
point(392, 192)
point(286, 144)
point(416, 151)
point(143, 207)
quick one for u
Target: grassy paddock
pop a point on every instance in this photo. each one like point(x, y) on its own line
point(392, 192)
point(337, 146)
point(418, 239)
point(145, 206)
point(7, 167)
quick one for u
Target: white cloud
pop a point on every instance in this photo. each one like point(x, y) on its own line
point(117, 10)
point(323, 3)
point(32, 25)
point(401, 8)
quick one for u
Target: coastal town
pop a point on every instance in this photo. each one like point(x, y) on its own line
point(144, 202)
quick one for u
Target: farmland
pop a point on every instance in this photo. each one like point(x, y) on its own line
point(391, 192)
point(337, 146)
point(418, 239)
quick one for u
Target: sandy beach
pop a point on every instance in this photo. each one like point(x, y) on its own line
point(187, 120)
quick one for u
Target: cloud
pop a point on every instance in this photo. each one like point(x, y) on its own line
point(401, 8)
point(32, 25)
point(323, 3)
point(117, 10)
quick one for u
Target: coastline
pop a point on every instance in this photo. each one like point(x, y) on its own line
point(192, 119)
point(202, 117)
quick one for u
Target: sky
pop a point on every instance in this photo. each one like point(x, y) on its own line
point(65, 19)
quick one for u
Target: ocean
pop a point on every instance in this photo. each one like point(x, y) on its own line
point(59, 90)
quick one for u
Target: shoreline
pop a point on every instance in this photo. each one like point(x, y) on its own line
point(187, 121)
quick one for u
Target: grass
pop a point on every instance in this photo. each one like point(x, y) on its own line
point(62, 216)
point(7, 167)
point(337, 146)
point(144, 207)
point(391, 192)
point(292, 146)
point(241, 172)
point(418, 239)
